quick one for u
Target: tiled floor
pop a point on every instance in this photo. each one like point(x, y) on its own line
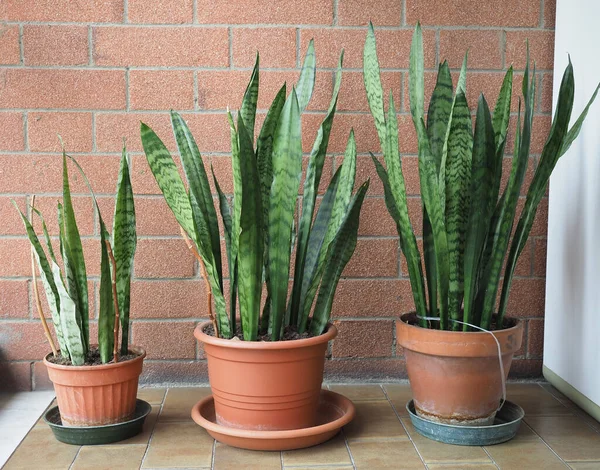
point(556, 434)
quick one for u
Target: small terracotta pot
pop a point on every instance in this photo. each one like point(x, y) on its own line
point(264, 385)
point(455, 376)
point(96, 395)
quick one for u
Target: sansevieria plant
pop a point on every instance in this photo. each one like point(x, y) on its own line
point(67, 289)
point(259, 226)
point(468, 219)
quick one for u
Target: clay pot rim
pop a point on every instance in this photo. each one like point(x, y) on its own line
point(200, 335)
point(99, 367)
point(518, 325)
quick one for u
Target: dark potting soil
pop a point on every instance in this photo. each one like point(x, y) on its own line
point(508, 323)
point(92, 359)
point(290, 333)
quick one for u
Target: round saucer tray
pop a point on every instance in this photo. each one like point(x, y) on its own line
point(505, 427)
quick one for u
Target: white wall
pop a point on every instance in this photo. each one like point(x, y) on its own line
point(572, 325)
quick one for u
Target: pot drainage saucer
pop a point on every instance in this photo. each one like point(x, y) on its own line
point(334, 411)
point(505, 427)
point(95, 435)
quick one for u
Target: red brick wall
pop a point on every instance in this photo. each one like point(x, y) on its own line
point(91, 70)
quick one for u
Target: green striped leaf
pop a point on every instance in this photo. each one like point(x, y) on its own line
point(73, 252)
point(47, 278)
point(165, 172)
point(502, 110)
point(251, 242)
point(576, 128)
point(287, 169)
point(458, 173)
point(69, 325)
point(483, 167)
point(248, 109)
point(311, 187)
point(46, 234)
point(373, 86)
point(124, 244)
point(306, 82)
point(340, 252)
point(416, 86)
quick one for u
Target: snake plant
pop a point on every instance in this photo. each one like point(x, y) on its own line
point(259, 227)
point(67, 289)
point(467, 221)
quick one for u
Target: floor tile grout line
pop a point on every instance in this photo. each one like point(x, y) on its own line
point(403, 427)
point(162, 403)
point(545, 443)
point(75, 458)
point(575, 410)
point(213, 454)
point(490, 457)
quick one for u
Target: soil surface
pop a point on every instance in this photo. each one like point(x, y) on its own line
point(290, 333)
point(92, 359)
point(508, 323)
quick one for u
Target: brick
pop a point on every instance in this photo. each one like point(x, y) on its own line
point(161, 90)
point(364, 132)
point(75, 129)
point(524, 263)
point(541, 49)
point(549, 13)
point(47, 205)
point(539, 133)
point(529, 172)
point(95, 11)
point(16, 376)
point(40, 379)
point(181, 46)
point(12, 137)
point(55, 45)
point(14, 302)
point(173, 12)
point(179, 372)
point(353, 97)
point(527, 298)
point(372, 298)
point(66, 89)
point(163, 258)
point(168, 299)
point(10, 53)
point(546, 93)
point(23, 341)
point(153, 216)
point(11, 220)
point(483, 46)
point(470, 13)
point(360, 12)
point(375, 219)
point(381, 370)
point(277, 47)
point(535, 338)
point(393, 47)
point(364, 339)
point(165, 340)
point(111, 128)
point(15, 256)
point(263, 11)
point(540, 253)
point(540, 223)
point(376, 257)
point(525, 369)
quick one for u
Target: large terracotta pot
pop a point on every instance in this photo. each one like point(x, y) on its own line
point(96, 395)
point(455, 376)
point(269, 386)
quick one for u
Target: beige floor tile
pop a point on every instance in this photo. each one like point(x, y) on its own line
point(399, 395)
point(227, 458)
point(374, 419)
point(524, 454)
point(328, 467)
point(462, 466)
point(109, 457)
point(332, 452)
point(584, 465)
point(436, 452)
point(154, 396)
point(359, 392)
point(535, 400)
point(385, 455)
point(569, 436)
point(179, 402)
point(179, 445)
point(144, 436)
point(41, 450)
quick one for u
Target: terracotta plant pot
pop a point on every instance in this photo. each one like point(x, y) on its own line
point(96, 395)
point(266, 386)
point(454, 375)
